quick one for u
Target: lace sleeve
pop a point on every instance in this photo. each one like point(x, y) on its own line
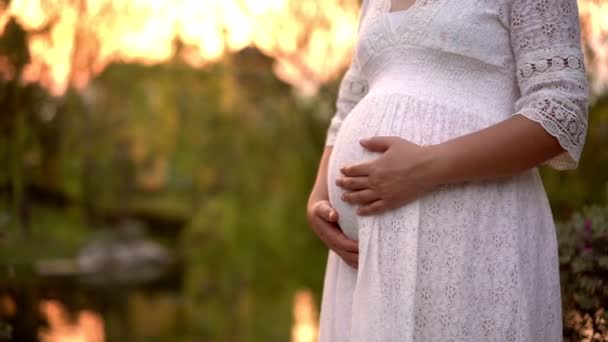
point(353, 87)
point(546, 42)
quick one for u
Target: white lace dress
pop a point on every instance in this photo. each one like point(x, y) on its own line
point(469, 262)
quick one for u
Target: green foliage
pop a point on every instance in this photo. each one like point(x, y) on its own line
point(219, 162)
point(583, 248)
point(588, 184)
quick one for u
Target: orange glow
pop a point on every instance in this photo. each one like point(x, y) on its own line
point(594, 23)
point(305, 327)
point(87, 328)
point(3, 17)
point(8, 307)
point(310, 40)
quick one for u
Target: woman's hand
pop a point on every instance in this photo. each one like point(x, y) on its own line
point(403, 172)
point(323, 218)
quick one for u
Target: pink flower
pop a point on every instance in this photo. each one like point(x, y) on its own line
point(587, 249)
point(587, 226)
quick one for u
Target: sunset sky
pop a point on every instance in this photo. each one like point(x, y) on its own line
point(311, 41)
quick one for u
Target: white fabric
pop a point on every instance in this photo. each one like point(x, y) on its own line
point(467, 262)
point(395, 18)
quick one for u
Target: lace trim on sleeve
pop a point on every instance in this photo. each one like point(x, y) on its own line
point(545, 37)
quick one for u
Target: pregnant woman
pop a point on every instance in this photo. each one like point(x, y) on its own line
point(428, 193)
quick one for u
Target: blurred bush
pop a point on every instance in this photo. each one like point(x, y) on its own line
point(218, 163)
point(583, 256)
point(569, 191)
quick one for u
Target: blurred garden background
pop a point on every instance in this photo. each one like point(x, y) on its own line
point(156, 158)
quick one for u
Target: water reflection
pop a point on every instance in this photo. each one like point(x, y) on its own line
point(88, 326)
point(125, 257)
point(305, 317)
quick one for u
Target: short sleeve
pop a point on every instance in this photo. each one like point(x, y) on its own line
point(352, 89)
point(546, 43)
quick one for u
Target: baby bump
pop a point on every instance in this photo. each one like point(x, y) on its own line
point(417, 120)
point(346, 151)
point(377, 116)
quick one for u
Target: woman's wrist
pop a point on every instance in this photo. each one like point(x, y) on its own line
point(439, 164)
point(317, 194)
point(319, 190)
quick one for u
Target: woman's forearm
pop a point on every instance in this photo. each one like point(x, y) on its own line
point(319, 190)
point(504, 149)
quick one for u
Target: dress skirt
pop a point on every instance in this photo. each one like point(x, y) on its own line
point(467, 262)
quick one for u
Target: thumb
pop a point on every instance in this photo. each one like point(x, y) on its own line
point(327, 212)
point(377, 143)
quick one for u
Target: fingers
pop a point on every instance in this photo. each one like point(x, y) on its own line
point(342, 242)
point(353, 183)
point(324, 210)
point(323, 220)
point(333, 236)
point(357, 170)
point(372, 208)
point(336, 239)
point(351, 259)
point(377, 144)
point(360, 197)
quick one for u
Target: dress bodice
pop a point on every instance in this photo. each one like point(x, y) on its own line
point(439, 50)
point(495, 58)
point(471, 261)
point(432, 50)
point(478, 29)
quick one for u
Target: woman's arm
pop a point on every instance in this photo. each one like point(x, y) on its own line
point(548, 125)
point(323, 219)
point(551, 76)
point(319, 189)
point(504, 149)
point(405, 171)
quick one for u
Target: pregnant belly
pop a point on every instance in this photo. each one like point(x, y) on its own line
point(399, 115)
